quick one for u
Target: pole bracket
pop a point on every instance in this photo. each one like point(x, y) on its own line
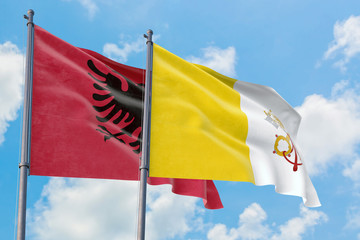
point(22, 164)
point(143, 166)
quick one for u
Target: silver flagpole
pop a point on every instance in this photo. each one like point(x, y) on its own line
point(144, 167)
point(25, 146)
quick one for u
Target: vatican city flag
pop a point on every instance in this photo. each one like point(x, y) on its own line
point(208, 126)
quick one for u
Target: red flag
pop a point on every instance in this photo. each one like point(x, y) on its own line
point(86, 118)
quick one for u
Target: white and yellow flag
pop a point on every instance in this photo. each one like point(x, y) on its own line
point(208, 126)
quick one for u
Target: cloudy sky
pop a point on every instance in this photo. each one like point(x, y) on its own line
point(308, 52)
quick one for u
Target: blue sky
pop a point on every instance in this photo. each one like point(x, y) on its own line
point(307, 51)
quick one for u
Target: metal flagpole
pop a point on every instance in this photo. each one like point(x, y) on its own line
point(25, 146)
point(144, 167)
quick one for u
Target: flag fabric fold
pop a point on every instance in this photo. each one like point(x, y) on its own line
point(86, 118)
point(209, 126)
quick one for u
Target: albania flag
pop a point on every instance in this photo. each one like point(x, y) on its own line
point(86, 118)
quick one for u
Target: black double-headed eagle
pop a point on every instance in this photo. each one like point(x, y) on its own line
point(122, 99)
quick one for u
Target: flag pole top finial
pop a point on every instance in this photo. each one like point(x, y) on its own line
point(149, 36)
point(30, 16)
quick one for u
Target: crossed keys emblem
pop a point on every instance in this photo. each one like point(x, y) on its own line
point(270, 117)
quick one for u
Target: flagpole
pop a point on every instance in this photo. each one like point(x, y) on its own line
point(26, 130)
point(144, 167)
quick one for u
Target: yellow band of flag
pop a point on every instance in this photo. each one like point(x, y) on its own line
point(198, 130)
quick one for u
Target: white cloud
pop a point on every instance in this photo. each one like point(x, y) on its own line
point(220, 232)
point(298, 226)
point(168, 214)
point(221, 60)
point(90, 6)
point(85, 209)
point(11, 82)
point(76, 209)
point(346, 41)
point(252, 226)
point(106, 209)
point(121, 54)
point(330, 128)
point(339, 87)
point(353, 218)
point(251, 223)
point(353, 172)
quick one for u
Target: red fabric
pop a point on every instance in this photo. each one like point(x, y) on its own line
point(66, 140)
